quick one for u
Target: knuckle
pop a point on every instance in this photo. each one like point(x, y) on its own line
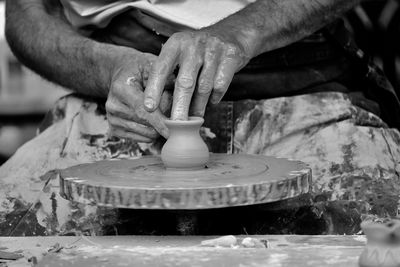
point(116, 91)
point(213, 40)
point(232, 50)
point(141, 129)
point(110, 105)
point(159, 68)
point(203, 93)
point(220, 86)
point(205, 87)
point(192, 49)
point(194, 55)
point(185, 82)
point(203, 38)
point(211, 53)
point(141, 113)
point(212, 48)
point(153, 134)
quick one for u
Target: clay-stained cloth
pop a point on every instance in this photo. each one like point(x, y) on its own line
point(353, 154)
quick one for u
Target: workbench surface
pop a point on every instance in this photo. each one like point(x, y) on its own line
point(288, 250)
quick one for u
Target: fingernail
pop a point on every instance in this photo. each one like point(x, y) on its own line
point(149, 103)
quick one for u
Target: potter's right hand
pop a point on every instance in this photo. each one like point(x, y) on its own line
point(125, 112)
point(207, 60)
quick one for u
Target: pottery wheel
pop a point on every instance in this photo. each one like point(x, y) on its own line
point(144, 183)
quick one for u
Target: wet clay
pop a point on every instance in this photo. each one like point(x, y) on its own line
point(383, 244)
point(185, 149)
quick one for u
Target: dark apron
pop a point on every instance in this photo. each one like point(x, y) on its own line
point(319, 63)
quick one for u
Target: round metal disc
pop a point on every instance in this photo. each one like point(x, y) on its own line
point(144, 183)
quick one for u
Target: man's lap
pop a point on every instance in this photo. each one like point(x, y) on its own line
point(354, 157)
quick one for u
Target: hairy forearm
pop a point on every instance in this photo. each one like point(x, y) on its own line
point(41, 39)
point(270, 24)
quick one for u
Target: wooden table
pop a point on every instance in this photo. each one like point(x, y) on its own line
point(288, 250)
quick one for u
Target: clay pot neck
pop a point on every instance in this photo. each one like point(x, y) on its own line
point(190, 127)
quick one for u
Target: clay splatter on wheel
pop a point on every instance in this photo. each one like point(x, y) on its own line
point(226, 181)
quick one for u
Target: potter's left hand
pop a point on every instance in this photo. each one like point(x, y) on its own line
point(207, 61)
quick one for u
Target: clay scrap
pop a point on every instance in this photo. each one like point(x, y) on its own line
point(223, 241)
point(55, 248)
point(250, 242)
point(4, 255)
point(230, 241)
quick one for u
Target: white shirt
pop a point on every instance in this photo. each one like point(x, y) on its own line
point(194, 14)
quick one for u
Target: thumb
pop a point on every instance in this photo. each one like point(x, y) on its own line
point(157, 120)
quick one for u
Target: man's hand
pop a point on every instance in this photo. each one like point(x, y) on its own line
point(209, 58)
point(207, 61)
point(125, 112)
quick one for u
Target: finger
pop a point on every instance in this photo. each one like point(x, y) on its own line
point(205, 83)
point(132, 127)
point(226, 70)
point(190, 64)
point(127, 106)
point(144, 119)
point(166, 103)
point(157, 120)
point(129, 135)
point(159, 73)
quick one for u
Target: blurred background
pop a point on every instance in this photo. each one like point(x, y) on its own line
point(25, 97)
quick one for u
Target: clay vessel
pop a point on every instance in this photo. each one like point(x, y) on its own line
point(383, 244)
point(185, 149)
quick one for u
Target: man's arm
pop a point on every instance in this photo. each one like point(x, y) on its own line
point(41, 38)
point(209, 58)
point(270, 24)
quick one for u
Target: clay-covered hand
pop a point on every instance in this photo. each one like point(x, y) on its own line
point(207, 61)
point(125, 111)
